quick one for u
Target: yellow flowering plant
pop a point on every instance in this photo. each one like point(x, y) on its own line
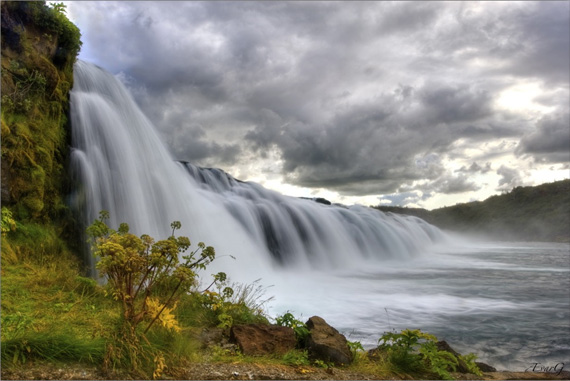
point(146, 277)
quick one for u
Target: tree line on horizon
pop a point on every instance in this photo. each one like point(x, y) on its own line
point(531, 213)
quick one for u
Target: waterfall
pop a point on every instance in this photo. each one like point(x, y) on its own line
point(119, 164)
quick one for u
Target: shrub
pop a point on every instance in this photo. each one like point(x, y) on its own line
point(146, 278)
point(8, 223)
point(300, 328)
point(414, 351)
point(355, 347)
point(250, 301)
point(53, 19)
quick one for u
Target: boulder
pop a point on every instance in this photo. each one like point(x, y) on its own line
point(260, 339)
point(485, 367)
point(444, 346)
point(326, 343)
point(212, 336)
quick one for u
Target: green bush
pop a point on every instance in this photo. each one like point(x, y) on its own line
point(416, 352)
point(224, 305)
point(355, 347)
point(53, 19)
point(8, 223)
point(301, 330)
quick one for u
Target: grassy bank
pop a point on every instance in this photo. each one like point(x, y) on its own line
point(53, 316)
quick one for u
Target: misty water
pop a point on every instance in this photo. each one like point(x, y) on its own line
point(506, 302)
point(364, 271)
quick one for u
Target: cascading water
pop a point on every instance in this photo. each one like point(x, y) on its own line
point(492, 300)
point(121, 166)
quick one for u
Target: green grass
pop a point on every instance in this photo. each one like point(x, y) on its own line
point(48, 310)
point(379, 366)
point(52, 346)
point(51, 313)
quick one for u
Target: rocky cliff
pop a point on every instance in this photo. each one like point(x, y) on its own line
point(39, 48)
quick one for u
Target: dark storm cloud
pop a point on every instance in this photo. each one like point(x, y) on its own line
point(510, 178)
point(376, 145)
point(527, 40)
point(493, 129)
point(550, 142)
point(545, 38)
point(404, 18)
point(475, 168)
point(358, 97)
point(455, 103)
point(453, 184)
point(197, 148)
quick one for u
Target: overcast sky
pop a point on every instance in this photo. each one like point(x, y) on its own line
point(421, 104)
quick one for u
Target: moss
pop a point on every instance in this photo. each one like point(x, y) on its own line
point(39, 48)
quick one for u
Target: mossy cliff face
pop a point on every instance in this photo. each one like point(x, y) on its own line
point(39, 48)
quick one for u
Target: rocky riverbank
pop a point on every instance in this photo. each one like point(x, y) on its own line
point(256, 346)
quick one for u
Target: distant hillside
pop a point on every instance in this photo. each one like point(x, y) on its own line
point(540, 213)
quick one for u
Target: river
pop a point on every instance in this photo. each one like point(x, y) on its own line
point(509, 303)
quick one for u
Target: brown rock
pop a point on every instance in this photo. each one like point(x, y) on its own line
point(326, 343)
point(484, 367)
point(444, 346)
point(259, 339)
point(462, 366)
point(212, 336)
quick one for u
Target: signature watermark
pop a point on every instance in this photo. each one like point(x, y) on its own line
point(542, 368)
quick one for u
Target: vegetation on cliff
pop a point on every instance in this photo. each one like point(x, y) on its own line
point(39, 48)
point(539, 213)
point(40, 274)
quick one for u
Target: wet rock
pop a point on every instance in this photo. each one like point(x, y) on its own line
point(326, 343)
point(461, 366)
point(260, 339)
point(484, 367)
